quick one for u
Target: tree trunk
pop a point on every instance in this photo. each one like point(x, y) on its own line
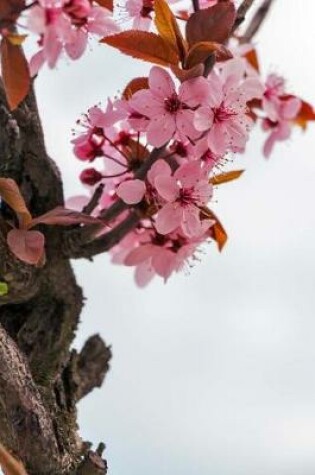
point(41, 379)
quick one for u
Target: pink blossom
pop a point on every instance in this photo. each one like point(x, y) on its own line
point(225, 117)
point(280, 129)
point(169, 112)
point(183, 193)
point(65, 26)
point(274, 90)
point(155, 254)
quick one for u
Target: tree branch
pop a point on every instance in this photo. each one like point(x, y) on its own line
point(242, 12)
point(24, 409)
point(257, 21)
point(92, 364)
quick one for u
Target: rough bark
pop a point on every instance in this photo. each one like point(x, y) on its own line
point(40, 379)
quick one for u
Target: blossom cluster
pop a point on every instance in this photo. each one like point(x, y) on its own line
point(158, 150)
point(195, 126)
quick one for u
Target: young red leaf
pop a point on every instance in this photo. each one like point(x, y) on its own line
point(211, 24)
point(252, 57)
point(28, 246)
point(135, 85)
point(305, 115)
point(143, 45)
point(185, 74)
point(9, 465)
point(15, 73)
point(10, 193)
point(226, 177)
point(64, 217)
point(217, 231)
point(168, 28)
point(200, 51)
point(109, 4)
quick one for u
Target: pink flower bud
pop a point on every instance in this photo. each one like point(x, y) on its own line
point(90, 176)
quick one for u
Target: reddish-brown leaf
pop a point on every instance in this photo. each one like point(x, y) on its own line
point(168, 28)
point(135, 85)
point(211, 24)
point(109, 4)
point(184, 74)
point(10, 193)
point(15, 73)
point(64, 217)
point(9, 11)
point(252, 58)
point(226, 177)
point(305, 115)
point(9, 465)
point(217, 231)
point(28, 246)
point(143, 45)
point(199, 52)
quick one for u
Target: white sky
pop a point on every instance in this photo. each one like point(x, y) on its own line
point(212, 373)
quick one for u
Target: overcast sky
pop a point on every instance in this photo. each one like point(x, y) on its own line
point(212, 373)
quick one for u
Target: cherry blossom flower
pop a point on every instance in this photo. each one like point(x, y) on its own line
point(169, 112)
point(184, 192)
point(225, 118)
point(280, 128)
point(274, 90)
point(154, 254)
point(65, 26)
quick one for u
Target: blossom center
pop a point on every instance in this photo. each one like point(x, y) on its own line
point(52, 15)
point(172, 104)
point(185, 196)
point(221, 114)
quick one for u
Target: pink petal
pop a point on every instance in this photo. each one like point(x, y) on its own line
point(131, 191)
point(161, 83)
point(77, 46)
point(189, 173)
point(252, 88)
point(36, 63)
point(144, 274)
point(52, 47)
point(216, 139)
point(191, 224)
point(139, 254)
point(168, 218)
point(166, 187)
point(194, 91)
point(203, 119)
point(160, 167)
point(290, 108)
point(163, 263)
point(161, 129)
point(147, 104)
point(185, 124)
point(101, 22)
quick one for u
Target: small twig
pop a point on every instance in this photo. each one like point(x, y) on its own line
point(241, 13)
point(257, 21)
point(195, 5)
point(92, 364)
point(94, 201)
